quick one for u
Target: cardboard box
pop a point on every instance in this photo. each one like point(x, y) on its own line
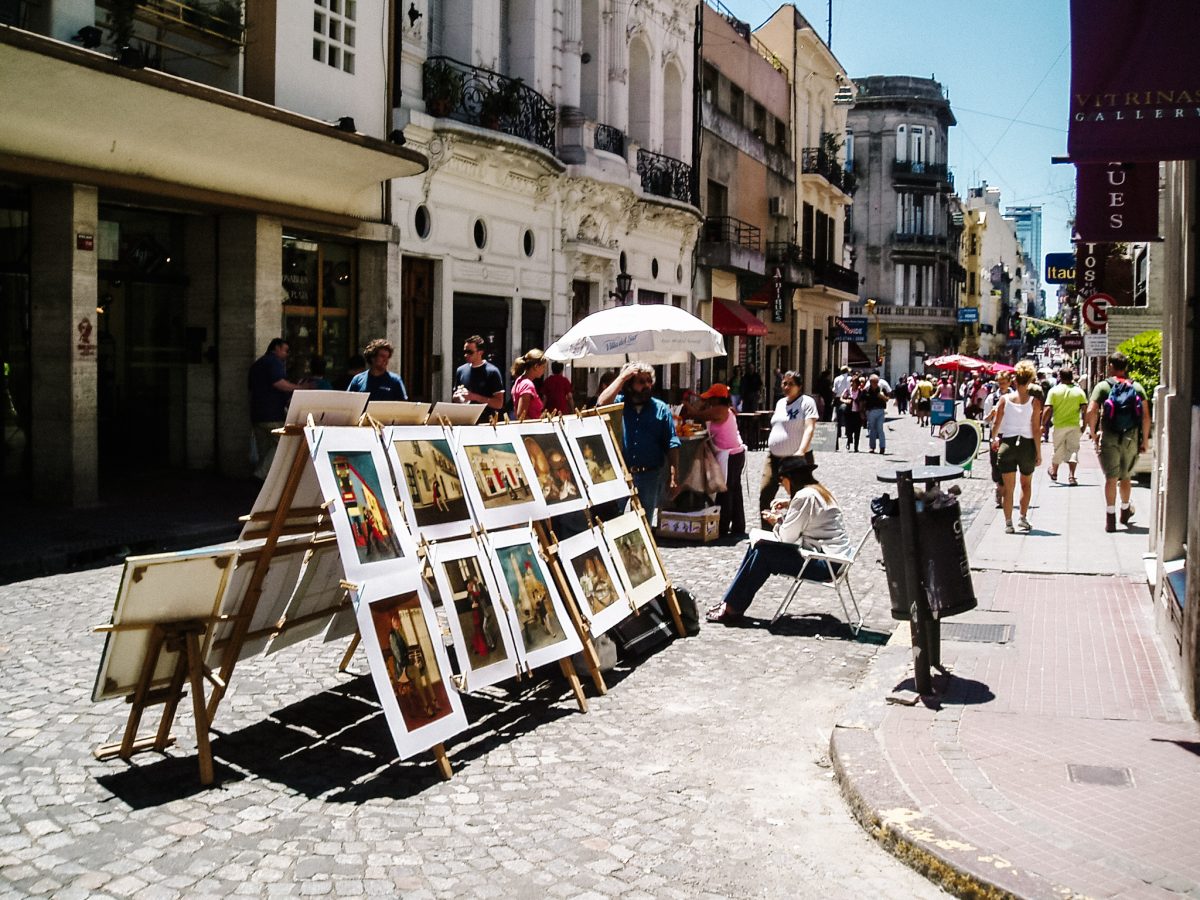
point(702, 526)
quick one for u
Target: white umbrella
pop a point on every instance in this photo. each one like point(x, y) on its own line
point(656, 333)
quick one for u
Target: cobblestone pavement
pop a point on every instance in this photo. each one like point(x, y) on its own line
point(703, 772)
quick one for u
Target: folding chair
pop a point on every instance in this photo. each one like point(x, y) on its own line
point(841, 578)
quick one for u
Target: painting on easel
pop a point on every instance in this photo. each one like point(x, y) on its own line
point(596, 458)
point(353, 473)
point(544, 627)
point(408, 663)
point(481, 625)
point(634, 555)
point(428, 478)
point(557, 479)
point(598, 591)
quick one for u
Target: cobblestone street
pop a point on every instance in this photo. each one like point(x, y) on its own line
point(703, 772)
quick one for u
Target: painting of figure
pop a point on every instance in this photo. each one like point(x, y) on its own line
point(595, 581)
point(475, 608)
point(431, 479)
point(635, 556)
point(556, 479)
point(599, 464)
point(358, 486)
point(498, 473)
point(412, 663)
point(540, 624)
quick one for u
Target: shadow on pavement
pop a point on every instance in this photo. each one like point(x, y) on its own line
point(1189, 746)
point(950, 690)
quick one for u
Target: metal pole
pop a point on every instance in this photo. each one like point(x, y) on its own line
point(918, 607)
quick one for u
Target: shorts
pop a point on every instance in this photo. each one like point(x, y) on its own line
point(1066, 446)
point(1017, 454)
point(922, 406)
point(1119, 453)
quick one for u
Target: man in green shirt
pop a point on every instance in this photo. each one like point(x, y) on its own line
point(1063, 404)
point(1120, 430)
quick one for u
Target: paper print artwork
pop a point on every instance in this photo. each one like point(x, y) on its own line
point(361, 493)
point(540, 624)
point(600, 467)
point(414, 674)
point(474, 608)
point(498, 474)
point(595, 581)
point(429, 474)
point(596, 458)
point(635, 557)
point(597, 589)
point(557, 479)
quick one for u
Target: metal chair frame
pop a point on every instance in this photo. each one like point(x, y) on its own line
point(841, 578)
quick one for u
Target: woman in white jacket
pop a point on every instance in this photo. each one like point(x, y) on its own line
point(811, 520)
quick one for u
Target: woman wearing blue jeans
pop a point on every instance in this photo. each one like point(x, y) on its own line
point(875, 403)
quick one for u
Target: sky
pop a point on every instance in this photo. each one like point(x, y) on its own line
point(1007, 68)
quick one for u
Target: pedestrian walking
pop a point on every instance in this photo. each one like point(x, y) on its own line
point(559, 391)
point(852, 404)
point(1016, 439)
point(1064, 405)
point(875, 404)
point(793, 426)
point(1119, 423)
point(924, 398)
point(527, 368)
point(1003, 385)
point(901, 395)
point(752, 385)
point(841, 384)
point(377, 381)
point(270, 391)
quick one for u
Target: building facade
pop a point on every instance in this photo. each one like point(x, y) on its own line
point(905, 239)
point(1011, 289)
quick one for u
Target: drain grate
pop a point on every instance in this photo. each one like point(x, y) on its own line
point(977, 632)
point(1107, 776)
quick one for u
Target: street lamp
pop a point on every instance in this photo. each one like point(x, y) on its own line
point(624, 284)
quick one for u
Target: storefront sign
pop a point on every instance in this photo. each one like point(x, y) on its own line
point(968, 315)
point(849, 328)
point(1135, 90)
point(778, 313)
point(1071, 342)
point(85, 242)
point(1060, 268)
point(1117, 201)
point(1089, 267)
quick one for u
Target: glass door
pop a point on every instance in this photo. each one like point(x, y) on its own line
point(319, 280)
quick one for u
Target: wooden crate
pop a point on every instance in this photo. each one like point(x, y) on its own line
point(702, 526)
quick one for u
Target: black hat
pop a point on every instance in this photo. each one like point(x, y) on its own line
point(794, 465)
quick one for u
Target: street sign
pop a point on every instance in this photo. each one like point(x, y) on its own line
point(1071, 341)
point(1095, 344)
point(1060, 268)
point(849, 328)
point(1095, 310)
point(968, 315)
point(940, 411)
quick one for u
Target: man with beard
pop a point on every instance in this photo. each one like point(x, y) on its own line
point(649, 438)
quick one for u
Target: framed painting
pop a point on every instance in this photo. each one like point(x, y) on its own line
point(597, 589)
point(556, 476)
point(427, 475)
point(633, 553)
point(408, 662)
point(543, 626)
point(482, 625)
point(596, 458)
point(154, 590)
point(353, 473)
point(497, 475)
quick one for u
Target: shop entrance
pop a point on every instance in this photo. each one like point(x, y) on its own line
point(15, 394)
point(416, 327)
point(141, 314)
point(485, 316)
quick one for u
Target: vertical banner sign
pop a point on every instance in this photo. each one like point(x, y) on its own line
point(1117, 201)
point(777, 310)
point(1135, 81)
point(1090, 257)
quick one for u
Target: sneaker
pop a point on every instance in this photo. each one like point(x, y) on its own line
point(1127, 515)
point(1023, 524)
point(1008, 528)
point(1110, 522)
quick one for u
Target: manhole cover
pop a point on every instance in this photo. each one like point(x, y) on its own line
point(979, 632)
point(1108, 776)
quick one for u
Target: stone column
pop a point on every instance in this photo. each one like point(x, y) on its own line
point(618, 67)
point(64, 224)
point(571, 138)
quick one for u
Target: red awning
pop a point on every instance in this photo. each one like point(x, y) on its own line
point(733, 318)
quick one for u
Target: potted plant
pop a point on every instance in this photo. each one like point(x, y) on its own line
point(443, 87)
point(500, 103)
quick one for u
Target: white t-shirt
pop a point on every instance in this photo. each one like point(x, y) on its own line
point(787, 425)
point(840, 384)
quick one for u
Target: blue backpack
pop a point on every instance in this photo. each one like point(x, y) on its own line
point(1123, 408)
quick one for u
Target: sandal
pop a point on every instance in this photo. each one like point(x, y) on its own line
point(1071, 481)
point(721, 613)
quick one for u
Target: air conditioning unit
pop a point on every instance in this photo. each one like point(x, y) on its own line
point(778, 206)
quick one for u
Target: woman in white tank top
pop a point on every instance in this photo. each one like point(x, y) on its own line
point(1015, 437)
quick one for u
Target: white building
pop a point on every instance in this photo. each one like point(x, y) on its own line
point(1013, 289)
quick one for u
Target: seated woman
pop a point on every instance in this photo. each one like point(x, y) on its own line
point(811, 520)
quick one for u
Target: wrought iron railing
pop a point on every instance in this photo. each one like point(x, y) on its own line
point(728, 230)
point(665, 177)
point(816, 161)
point(785, 252)
point(925, 170)
point(890, 310)
point(221, 20)
point(482, 97)
point(839, 278)
point(610, 140)
point(918, 239)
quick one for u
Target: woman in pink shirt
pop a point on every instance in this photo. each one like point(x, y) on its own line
point(717, 411)
point(527, 404)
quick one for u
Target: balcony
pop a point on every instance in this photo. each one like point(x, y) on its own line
point(477, 96)
point(816, 161)
point(221, 21)
point(908, 316)
point(929, 173)
point(792, 263)
point(837, 278)
point(663, 176)
point(610, 140)
point(917, 242)
point(729, 243)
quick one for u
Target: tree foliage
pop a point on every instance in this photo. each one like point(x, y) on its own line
point(1144, 352)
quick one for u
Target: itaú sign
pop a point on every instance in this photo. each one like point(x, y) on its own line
point(1060, 268)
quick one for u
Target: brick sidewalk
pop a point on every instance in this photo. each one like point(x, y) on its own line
point(1059, 759)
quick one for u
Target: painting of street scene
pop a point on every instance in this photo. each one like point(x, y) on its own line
point(475, 608)
point(636, 558)
point(359, 489)
point(595, 581)
point(599, 464)
point(498, 473)
point(552, 467)
point(435, 490)
point(540, 626)
point(411, 662)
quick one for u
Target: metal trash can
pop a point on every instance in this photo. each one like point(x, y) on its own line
point(943, 564)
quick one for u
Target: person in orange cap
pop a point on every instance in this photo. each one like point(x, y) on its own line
point(717, 410)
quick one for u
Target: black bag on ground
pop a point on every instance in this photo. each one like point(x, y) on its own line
point(689, 611)
point(642, 634)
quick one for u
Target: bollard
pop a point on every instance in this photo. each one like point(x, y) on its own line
point(922, 624)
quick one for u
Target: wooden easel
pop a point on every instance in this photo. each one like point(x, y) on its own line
point(182, 638)
point(549, 542)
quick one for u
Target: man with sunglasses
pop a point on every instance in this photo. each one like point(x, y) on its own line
point(477, 380)
point(649, 438)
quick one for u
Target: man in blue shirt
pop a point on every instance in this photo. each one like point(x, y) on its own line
point(270, 391)
point(477, 380)
point(649, 438)
point(377, 380)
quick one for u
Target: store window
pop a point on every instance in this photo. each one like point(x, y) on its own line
point(319, 283)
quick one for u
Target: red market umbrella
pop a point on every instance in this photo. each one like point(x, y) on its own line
point(997, 367)
point(956, 362)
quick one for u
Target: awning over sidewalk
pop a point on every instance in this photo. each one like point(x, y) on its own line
point(733, 318)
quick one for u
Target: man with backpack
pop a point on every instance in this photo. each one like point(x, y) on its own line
point(1118, 419)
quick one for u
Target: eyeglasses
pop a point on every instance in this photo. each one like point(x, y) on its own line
point(467, 351)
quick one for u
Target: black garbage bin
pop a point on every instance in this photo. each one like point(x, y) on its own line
point(943, 564)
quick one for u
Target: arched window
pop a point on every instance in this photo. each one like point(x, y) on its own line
point(901, 143)
point(675, 134)
point(639, 93)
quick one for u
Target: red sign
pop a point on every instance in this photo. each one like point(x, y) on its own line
point(1071, 341)
point(85, 241)
point(1095, 311)
point(1135, 81)
point(1117, 202)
